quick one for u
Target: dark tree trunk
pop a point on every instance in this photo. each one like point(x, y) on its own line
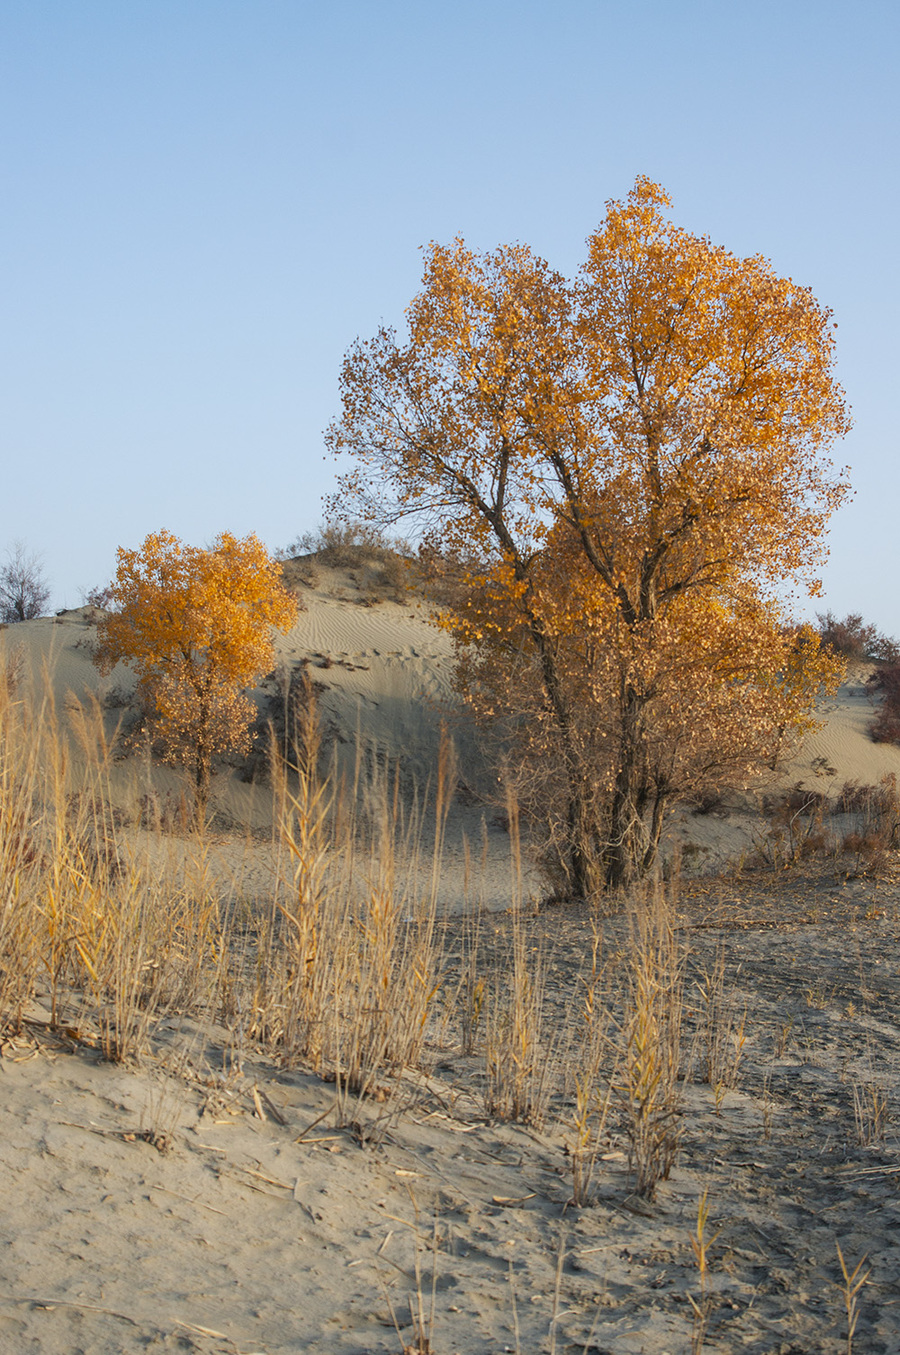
point(628, 838)
point(203, 764)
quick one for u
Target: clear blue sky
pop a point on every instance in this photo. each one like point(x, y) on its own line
point(205, 201)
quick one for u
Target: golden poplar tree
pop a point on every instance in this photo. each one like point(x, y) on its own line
point(195, 625)
point(630, 467)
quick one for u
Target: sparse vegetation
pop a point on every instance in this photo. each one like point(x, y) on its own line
point(886, 726)
point(384, 566)
point(565, 1064)
point(854, 638)
point(346, 545)
point(649, 1071)
point(99, 599)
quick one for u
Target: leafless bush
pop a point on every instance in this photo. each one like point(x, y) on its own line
point(875, 814)
point(796, 825)
point(99, 599)
point(856, 639)
point(24, 592)
point(886, 726)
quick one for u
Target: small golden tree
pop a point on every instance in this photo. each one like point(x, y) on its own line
point(195, 625)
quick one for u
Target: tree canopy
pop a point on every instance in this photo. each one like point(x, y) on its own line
point(627, 469)
point(196, 625)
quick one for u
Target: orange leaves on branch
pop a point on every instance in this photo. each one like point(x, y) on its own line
point(195, 625)
point(626, 469)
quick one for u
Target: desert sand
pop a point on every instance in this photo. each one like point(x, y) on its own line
point(209, 1198)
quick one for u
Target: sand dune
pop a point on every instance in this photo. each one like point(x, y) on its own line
point(383, 674)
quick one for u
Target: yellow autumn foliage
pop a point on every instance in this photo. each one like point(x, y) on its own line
point(628, 470)
point(196, 627)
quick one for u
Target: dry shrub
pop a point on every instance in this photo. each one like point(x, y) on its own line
point(854, 638)
point(886, 726)
point(795, 825)
point(875, 811)
point(340, 544)
point(384, 566)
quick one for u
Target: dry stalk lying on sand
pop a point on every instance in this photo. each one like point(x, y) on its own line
point(421, 1315)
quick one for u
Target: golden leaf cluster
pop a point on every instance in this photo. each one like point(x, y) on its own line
point(196, 627)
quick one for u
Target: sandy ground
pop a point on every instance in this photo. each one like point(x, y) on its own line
point(210, 1200)
point(256, 1226)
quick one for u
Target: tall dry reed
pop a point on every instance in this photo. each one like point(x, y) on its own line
point(518, 1059)
point(90, 926)
point(647, 1082)
point(348, 962)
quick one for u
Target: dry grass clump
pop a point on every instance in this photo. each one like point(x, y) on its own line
point(19, 849)
point(518, 1062)
point(86, 925)
point(647, 1084)
point(101, 929)
point(347, 964)
point(722, 1031)
point(517, 1059)
point(591, 1093)
point(341, 972)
